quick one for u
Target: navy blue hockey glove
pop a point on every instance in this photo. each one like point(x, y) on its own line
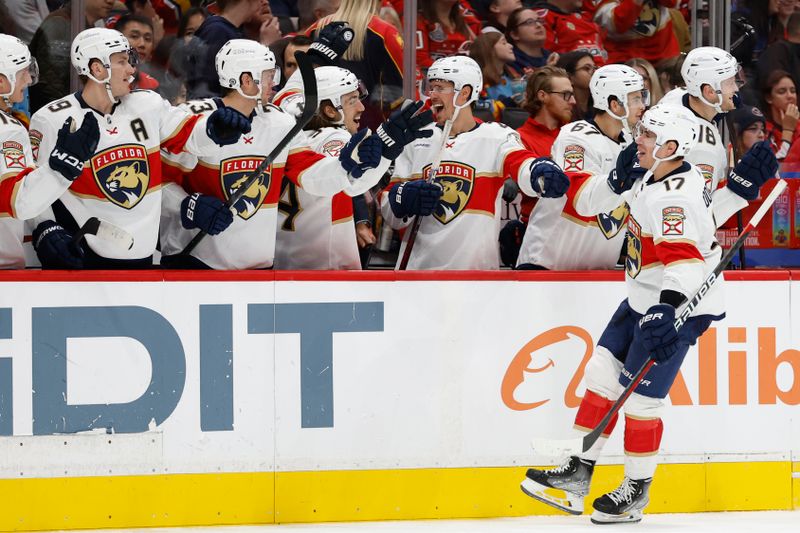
point(627, 170)
point(55, 247)
point(414, 198)
point(368, 150)
point(547, 178)
point(758, 165)
point(658, 334)
point(226, 125)
point(331, 43)
point(206, 212)
point(403, 128)
point(72, 149)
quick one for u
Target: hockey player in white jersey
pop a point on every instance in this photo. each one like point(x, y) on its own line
point(195, 196)
point(671, 249)
point(317, 232)
point(121, 181)
point(589, 147)
point(22, 186)
point(461, 207)
point(711, 74)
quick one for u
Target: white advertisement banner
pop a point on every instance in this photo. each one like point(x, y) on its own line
point(112, 378)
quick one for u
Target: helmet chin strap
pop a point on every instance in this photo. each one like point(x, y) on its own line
point(718, 106)
point(107, 84)
point(658, 160)
point(624, 118)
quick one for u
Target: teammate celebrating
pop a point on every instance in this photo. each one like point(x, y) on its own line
point(465, 194)
point(671, 249)
point(710, 76)
point(247, 70)
point(590, 147)
point(121, 182)
point(22, 186)
point(316, 232)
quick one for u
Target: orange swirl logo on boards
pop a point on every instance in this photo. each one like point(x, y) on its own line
point(775, 373)
point(532, 359)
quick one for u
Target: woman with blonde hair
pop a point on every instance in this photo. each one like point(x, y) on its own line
point(651, 81)
point(375, 55)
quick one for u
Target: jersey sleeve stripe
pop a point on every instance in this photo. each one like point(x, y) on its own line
point(670, 252)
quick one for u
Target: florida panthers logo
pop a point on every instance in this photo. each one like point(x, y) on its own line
point(456, 180)
point(122, 173)
point(649, 20)
point(611, 223)
point(633, 259)
point(234, 172)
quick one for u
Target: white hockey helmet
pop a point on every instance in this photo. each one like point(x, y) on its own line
point(335, 82)
point(238, 56)
point(462, 71)
point(670, 122)
point(100, 44)
point(616, 81)
point(708, 65)
point(15, 56)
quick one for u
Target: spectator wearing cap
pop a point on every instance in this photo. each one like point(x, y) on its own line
point(495, 13)
point(525, 31)
point(570, 29)
point(750, 126)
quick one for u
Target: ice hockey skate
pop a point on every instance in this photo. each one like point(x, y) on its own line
point(563, 487)
point(624, 504)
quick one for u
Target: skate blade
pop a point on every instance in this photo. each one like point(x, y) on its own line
point(631, 517)
point(560, 499)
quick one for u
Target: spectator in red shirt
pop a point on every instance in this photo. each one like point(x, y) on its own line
point(570, 29)
point(442, 31)
point(549, 110)
point(638, 28)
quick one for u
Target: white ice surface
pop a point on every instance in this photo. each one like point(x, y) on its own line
point(739, 522)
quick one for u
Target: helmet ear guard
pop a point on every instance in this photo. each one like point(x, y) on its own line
point(709, 65)
point(461, 71)
point(669, 123)
point(243, 56)
point(616, 82)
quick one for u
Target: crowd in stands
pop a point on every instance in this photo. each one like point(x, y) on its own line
point(536, 56)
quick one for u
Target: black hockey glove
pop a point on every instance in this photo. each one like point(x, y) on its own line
point(758, 165)
point(547, 178)
point(368, 150)
point(206, 212)
point(72, 149)
point(331, 43)
point(403, 128)
point(226, 125)
point(627, 170)
point(658, 334)
point(510, 190)
point(55, 247)
point(510, 238)
point(414, 198)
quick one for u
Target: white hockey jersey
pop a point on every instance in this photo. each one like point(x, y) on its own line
point(671, 237)
point(557, 236)
point(314, 232)
point(462, 232)
point(710, 157)
point(15, 162)
point(249, 242)
point(122, 182)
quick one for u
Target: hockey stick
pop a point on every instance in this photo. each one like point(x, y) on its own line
point(574, 446)
point(105, 231)
point(412, 235)
point(309, 110)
